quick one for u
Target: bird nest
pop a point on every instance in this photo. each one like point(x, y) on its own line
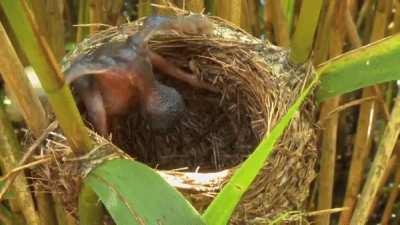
point(256, 85)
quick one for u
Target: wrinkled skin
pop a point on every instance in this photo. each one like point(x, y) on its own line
point(122, 78)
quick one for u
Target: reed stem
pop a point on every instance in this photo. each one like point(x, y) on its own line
point(303, 37)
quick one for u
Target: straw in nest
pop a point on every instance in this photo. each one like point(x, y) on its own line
point(257, 85)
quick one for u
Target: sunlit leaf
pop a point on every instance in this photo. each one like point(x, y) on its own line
point(366, 66)
point(221, 209)
point(134, 194)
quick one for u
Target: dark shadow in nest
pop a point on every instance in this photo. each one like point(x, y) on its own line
point(208, 137)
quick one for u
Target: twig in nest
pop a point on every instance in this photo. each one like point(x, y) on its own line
point(169, 5)
point(26, 156)
point(29, 165)
point(86, 156)
point(93, 25)
point(327, 211)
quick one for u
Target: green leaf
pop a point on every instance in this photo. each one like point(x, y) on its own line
point(221, 208)
point(135, 194)
point(373, 64)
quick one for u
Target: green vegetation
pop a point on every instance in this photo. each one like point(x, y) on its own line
point(325, 35)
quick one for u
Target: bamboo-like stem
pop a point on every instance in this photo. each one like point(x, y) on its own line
point(289, 11)
point(396, 27)
point(365, 125)
point(49, 16)
point(362, 147)
point(392, 197)
point(353, 7)
point(281, 28)
point(96, 14)
point(253, 21)
point(368, 24)
point(196, 6)
point(390, 167)
point(45, 207)
point(19, 86)
point(162, 11)
point(324, 32)
point(330, 132)
point(49, 73)
point(28, 102)
point(10, 218)
point(83, 18)
point(351, 30)
point(229, 9)
point(303, 37)
point(365, 9)
point(63, 218)
point(89, 206)
point(59, 95)
point(268, 22)
point(327, 159)
point(6, 216)
point(245, 21)
point(10, 154)
point(380, 162)
point(250, 23)
point(113, 11)
point(144, 8)
point(380, 20)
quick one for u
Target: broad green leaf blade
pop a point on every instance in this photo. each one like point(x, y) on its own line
point(134, 194)
point(221, 208)
point(366, 66)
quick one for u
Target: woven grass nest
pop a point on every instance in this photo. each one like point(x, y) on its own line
point(256, 84)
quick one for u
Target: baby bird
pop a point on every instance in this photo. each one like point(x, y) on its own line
point(118, 77)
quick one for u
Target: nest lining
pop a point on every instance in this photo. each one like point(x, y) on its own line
point(257, 85)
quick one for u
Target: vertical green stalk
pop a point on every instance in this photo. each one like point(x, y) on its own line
point(29, 105)
point(303, 37)
point(49, 16)
point(52, 81)
point(83, 18)
point(229, 9)
point(19, 86)
point(324, 33)
point(49, 73)
point(334, 34)
point(288, 6)
point(10, 154)
point(396, 27)
point(144, 8)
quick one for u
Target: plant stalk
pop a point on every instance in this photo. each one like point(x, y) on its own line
point(380, 162)
point(303, 37)
point(330, 132)
point(10, 154)
point(281, 28)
